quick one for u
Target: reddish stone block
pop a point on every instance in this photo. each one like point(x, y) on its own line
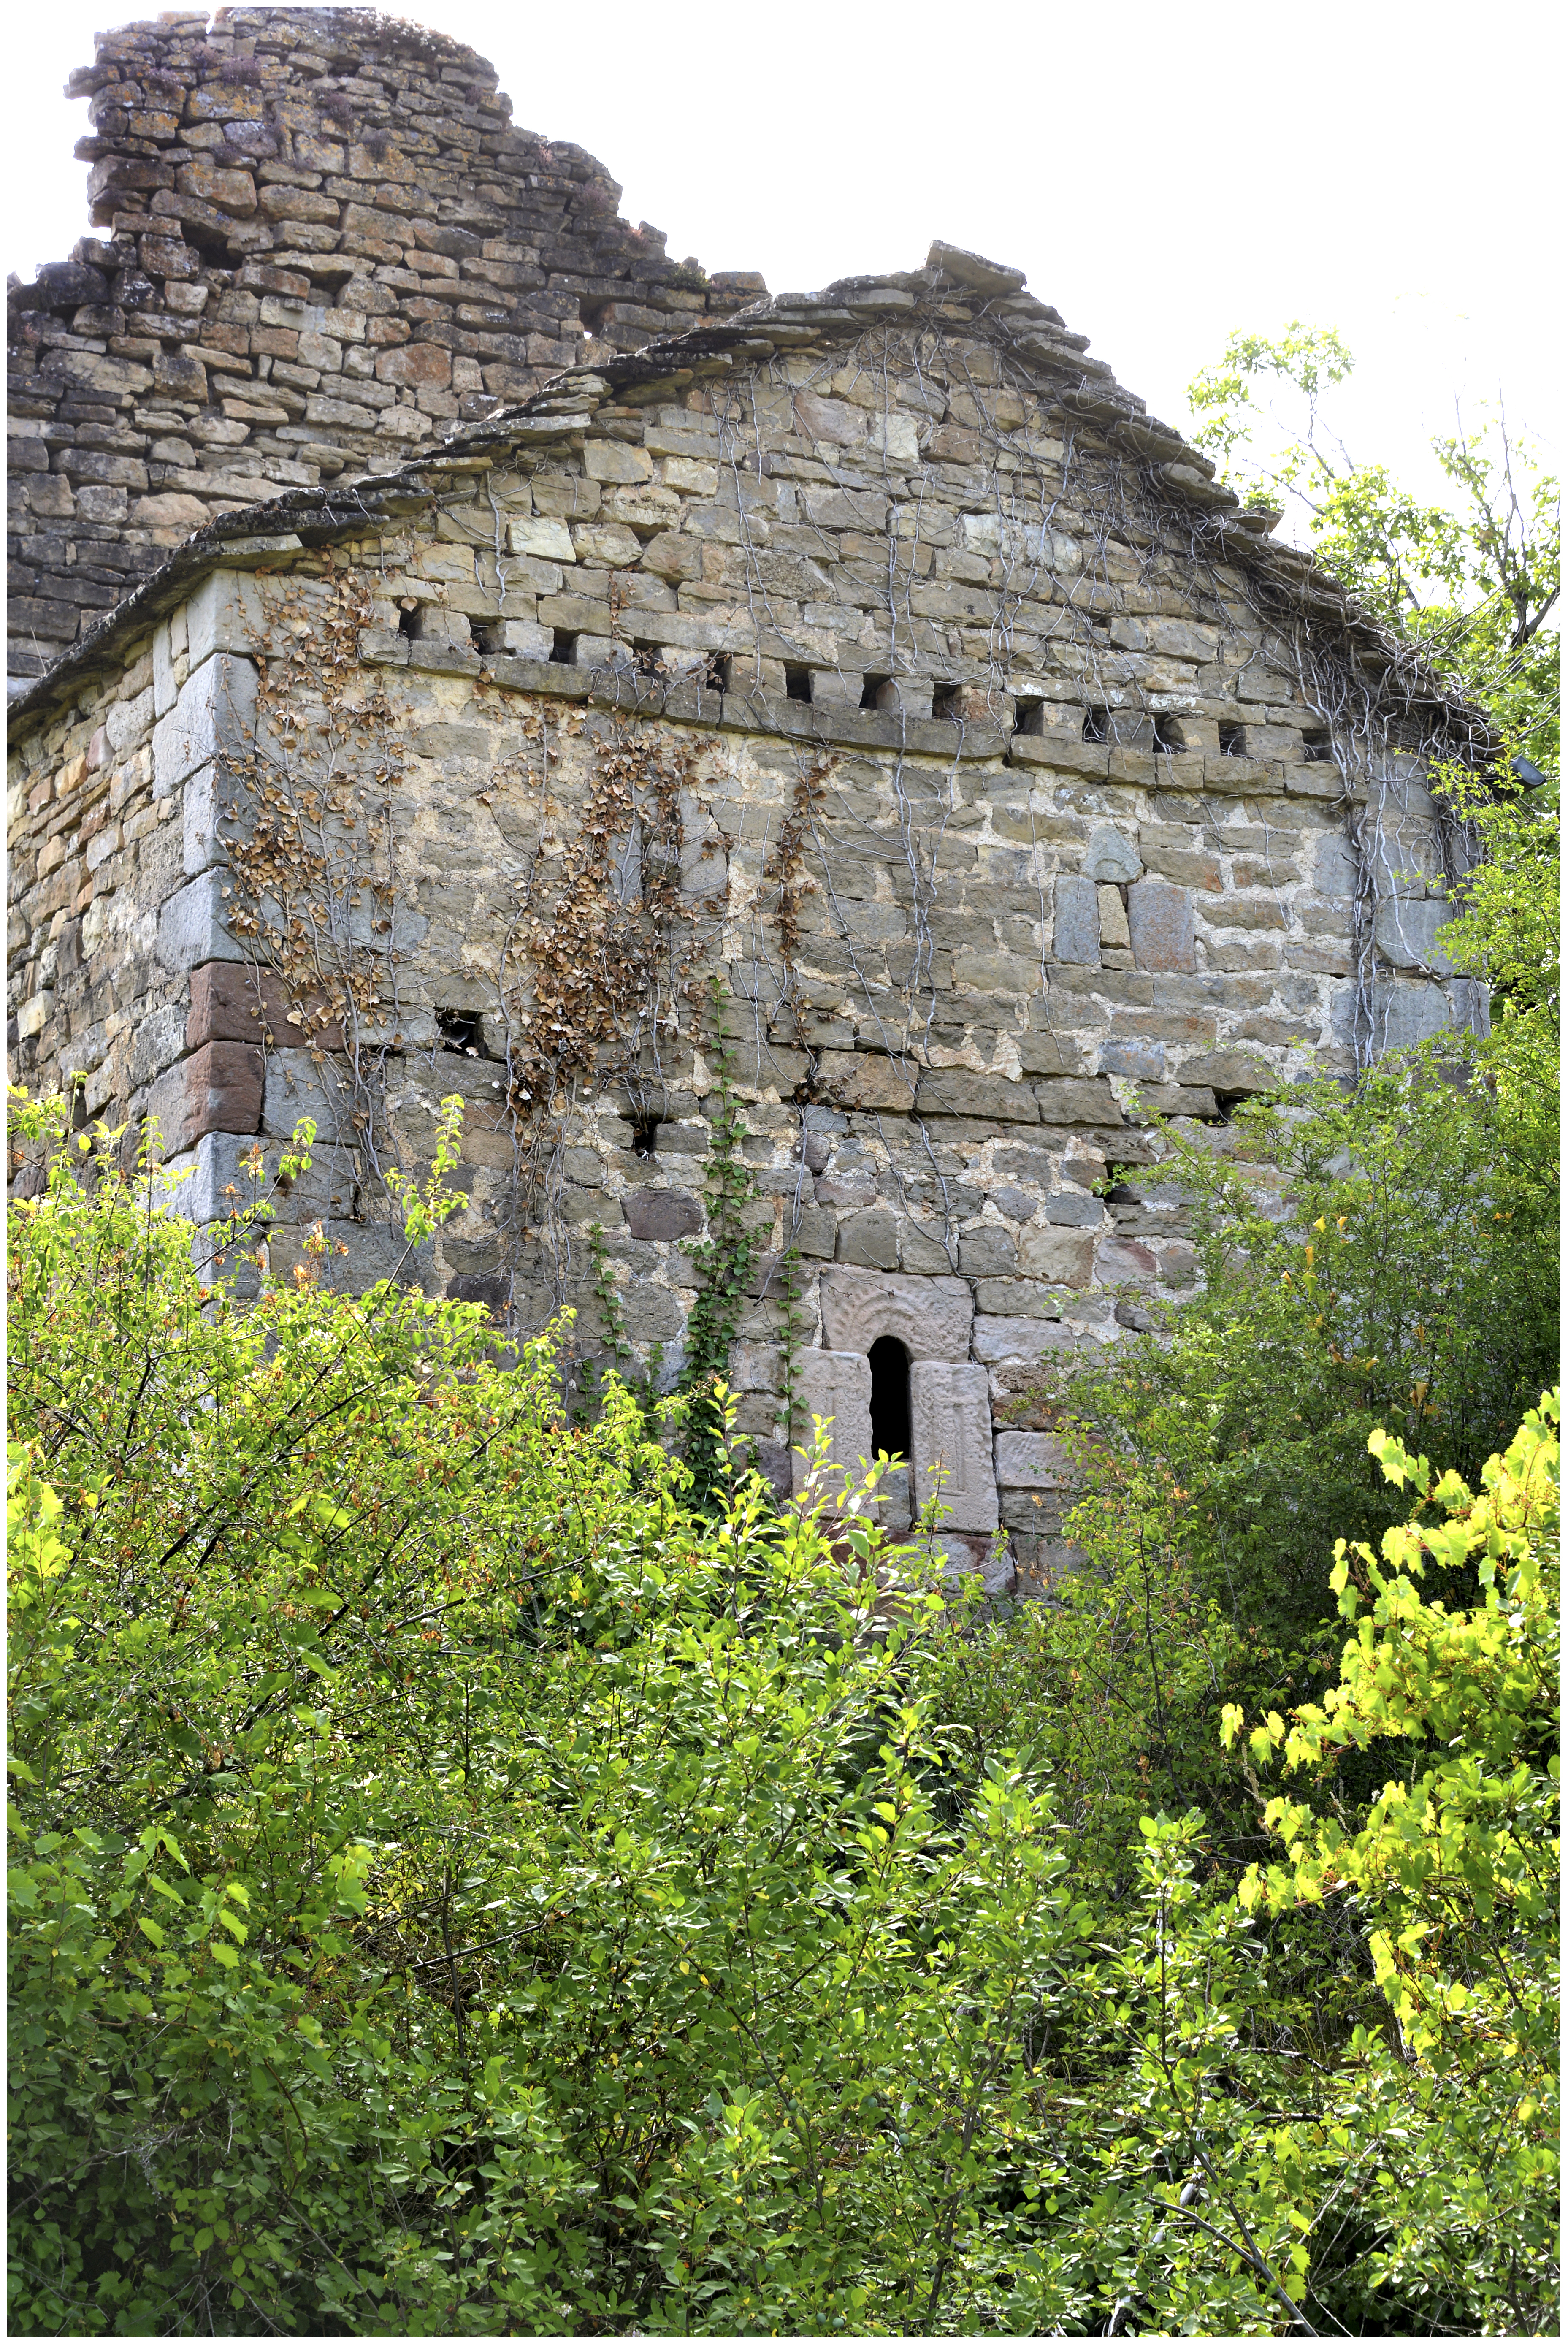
point(424, 363)
point(223, 1088)
point(217, 1089)
point(230, 1002)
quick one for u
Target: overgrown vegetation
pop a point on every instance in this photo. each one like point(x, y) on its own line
point(459, 1888)
point(476, 1870)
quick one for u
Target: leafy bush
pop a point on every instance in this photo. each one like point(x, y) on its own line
point(1376, 1260)
point(459, 1888)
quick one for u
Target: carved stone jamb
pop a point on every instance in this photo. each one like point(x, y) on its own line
point(836, 1385)
point(950, 1434)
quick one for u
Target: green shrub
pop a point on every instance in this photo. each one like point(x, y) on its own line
point(459, 1887)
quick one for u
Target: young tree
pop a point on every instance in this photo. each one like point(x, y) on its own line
point(1474, 580)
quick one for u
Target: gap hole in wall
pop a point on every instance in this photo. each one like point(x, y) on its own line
point(1317, 748)
point(646, 1136)
point(797, 682)
point(1031, 718)
point(889, 1397)
point(460, 1031)
point(718, 672)
point(1233, 740)
point(648, 659)
point(944, 703)
point(871, 690)
point(563, 649)
point(408, 620)
point(1167, 736)
point(1097, 723)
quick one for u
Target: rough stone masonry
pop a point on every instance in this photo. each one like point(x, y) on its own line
point(812, 775)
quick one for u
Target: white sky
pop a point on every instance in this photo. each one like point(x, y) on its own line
point(1165, 175)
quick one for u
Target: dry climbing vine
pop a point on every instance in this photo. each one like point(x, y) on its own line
point(314, 885)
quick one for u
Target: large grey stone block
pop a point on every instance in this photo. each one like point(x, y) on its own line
point(218, 1183)
point(1122, 1260)
point(950, 1434)
point(921, 1248)
point(191, 929)
point(1019, 1298)
point(1144, 1062)
point(834, 1385)
point(1336, 867)
point(662, 1214)
point(213, 718)
point(870, 1238)
point(1406, 931)
point(1403, 1012)
point(1032, 1461)
point(1007, 1342)
point(224, 614)
point(1075, 934)
point(1230, 1070)
point(300, 1084)
point(931, 1317)
point(996, 1099)
point(1160, 920)
point(988, 1252)
point(652, 1314)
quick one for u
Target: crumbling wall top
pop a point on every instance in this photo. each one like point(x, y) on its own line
point(322, 243)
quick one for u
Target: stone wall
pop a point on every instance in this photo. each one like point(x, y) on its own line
point(321, 242)
point(867, 696)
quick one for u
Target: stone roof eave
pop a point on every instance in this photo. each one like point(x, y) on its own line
point(1287, 583)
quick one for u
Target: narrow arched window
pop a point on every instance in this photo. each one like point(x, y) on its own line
point(889, 1397)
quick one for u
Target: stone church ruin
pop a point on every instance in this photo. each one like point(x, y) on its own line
point(814, 771)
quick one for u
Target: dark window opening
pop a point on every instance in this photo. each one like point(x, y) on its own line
point(1031, 718)
point(644, 1136)
point(408, 620)
point(717, 672)
point(944, 703)
point(593, 314)
point(1317, 750)
point(460, 1031)
point(1097, 723)
point(889, 1397)
point(797, 683)
point(871, 690)
point(1233, 740)
point(1227, 1103)
point(1167, 736)
point(563, 649)
point(491, 638)
point(648, 659)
